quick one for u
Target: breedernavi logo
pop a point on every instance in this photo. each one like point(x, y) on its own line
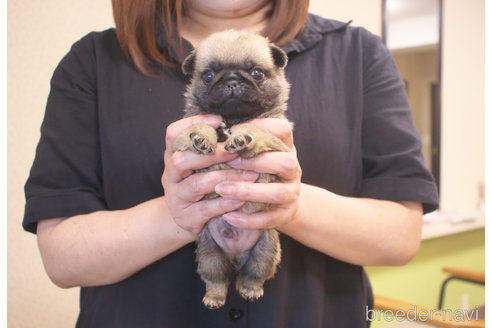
point(415, 314)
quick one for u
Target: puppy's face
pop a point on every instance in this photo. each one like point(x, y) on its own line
point(237, 74)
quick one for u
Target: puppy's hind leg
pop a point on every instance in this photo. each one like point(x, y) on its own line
point(214, 268)
point(260, 265)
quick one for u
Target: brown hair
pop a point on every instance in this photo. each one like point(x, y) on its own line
point(137, 23)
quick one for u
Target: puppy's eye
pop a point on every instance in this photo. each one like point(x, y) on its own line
point(257, 74)
point(208, 75)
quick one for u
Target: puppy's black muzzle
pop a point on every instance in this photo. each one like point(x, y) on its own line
point(230, 84)
point(233, 94)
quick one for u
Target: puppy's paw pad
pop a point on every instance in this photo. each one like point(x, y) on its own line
point(250, 293)
point(201, 144)
point(213, 302)
point(237, 143)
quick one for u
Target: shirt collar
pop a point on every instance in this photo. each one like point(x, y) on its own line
point(312, 32)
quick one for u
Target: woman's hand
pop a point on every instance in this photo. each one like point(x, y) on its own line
point(360, 231)
point(284, 194)
point(184, 190)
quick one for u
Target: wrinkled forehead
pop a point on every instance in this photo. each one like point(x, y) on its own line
point(235, 49)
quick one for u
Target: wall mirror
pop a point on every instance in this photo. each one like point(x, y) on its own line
point(412, 31)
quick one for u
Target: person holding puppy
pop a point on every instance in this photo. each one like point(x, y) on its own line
point(116, 212)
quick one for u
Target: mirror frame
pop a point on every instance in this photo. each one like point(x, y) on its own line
point(436, 94)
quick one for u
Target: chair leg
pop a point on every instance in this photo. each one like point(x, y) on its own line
point(443, 287)
point(444, 284)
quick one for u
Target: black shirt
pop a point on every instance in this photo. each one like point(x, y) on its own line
point(102, 145)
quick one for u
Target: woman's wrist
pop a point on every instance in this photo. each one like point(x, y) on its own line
point(307, 202)
point(174, 228)
point(360, 231)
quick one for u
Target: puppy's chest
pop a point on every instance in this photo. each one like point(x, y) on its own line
point(224, 130)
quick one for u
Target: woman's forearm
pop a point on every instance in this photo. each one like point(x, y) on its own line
point(108, 246)
point(357, 230)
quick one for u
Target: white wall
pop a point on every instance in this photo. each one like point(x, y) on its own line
point(463, 104)
point(39, 34)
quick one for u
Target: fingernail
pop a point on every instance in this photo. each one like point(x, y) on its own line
point(234, 217)
point(225, 189)
point(234, 202)
point(236, 161)
point(249, 175)
point(212, 120)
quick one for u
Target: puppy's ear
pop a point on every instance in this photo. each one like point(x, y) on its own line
point(279, 56)
point(188, 65)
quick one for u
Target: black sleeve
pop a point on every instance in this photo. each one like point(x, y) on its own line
point(65, 178)
point(393, 164)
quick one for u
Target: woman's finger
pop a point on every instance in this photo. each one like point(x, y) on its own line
point(197, 185)
point(260, 220)
point(270, 193)
point(282, 164)
point(197, 214)
point(182, 164)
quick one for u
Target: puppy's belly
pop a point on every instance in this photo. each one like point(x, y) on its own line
point(235, 241)
point(232, 240)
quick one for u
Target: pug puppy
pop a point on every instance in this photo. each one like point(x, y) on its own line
point(240, 76)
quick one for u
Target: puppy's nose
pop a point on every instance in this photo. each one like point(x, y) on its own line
point(231, 79)
point(231, 84)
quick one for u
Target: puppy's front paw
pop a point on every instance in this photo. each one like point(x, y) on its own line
point(201, 144)
point(237, 143)
point(200, 138)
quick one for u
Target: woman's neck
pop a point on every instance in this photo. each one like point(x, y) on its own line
point(198, 24)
